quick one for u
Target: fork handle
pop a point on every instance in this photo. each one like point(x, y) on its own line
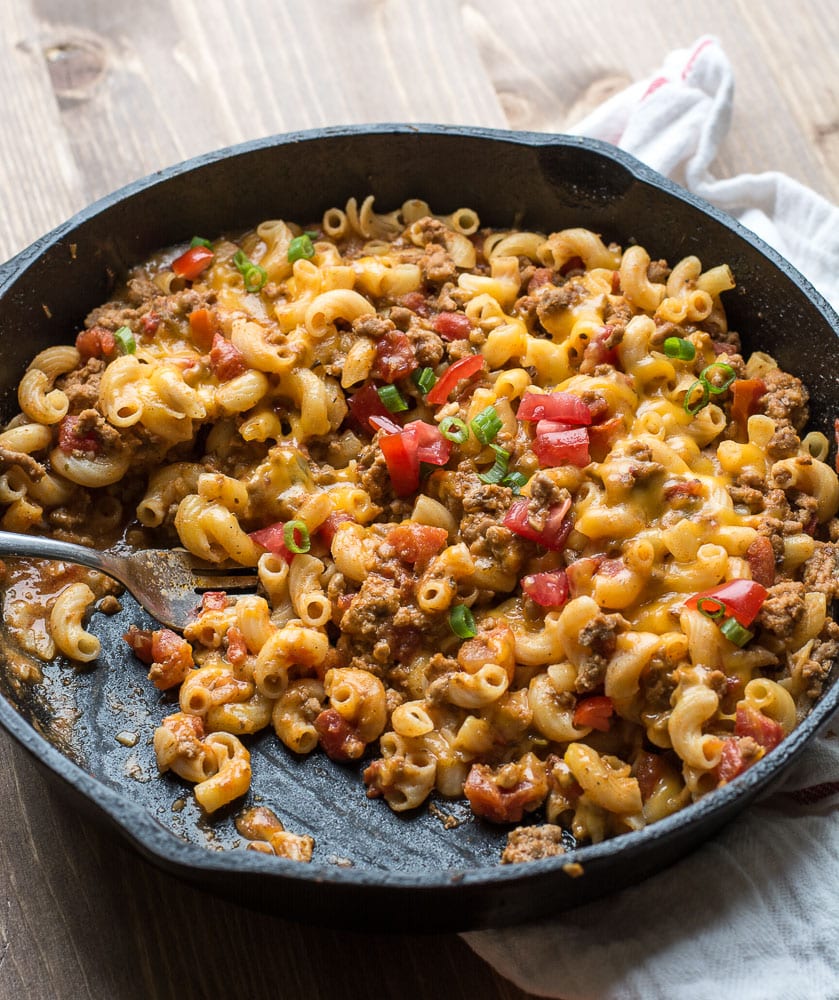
point(34, 546)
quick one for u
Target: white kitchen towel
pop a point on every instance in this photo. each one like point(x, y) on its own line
point(753, 914)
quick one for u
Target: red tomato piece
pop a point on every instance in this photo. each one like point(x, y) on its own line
point(452, 325)
point(70, 440)
point(764, 731)
point(172, 659)
point(140, 640)
point(555, 448)
point(330, 526)
point(594, 712)
point(731, 760)
point(465, 368)
point(649, 770)
point(417, 542)
point(272, 538)
point(403, 463)
point(580, 574)
point(226, 360)
point(597, 353)
point(550, 590)
point(557, 527)
point(602, 436)
point(385, 424)
point(761, 559)
point(395, 357)
point(203, 326)
point(365, 404)
point(562, 406)
point(432, 447)
point(192, 263)
point(745, 394)
point(742, 599)
point(150, 323)
point(213, 600)
point(96, 343)
point(416, 302)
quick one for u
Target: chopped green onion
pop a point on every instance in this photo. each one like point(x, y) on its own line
point(313, 234)
point(300, 248)
point(728, 374)
point(424, 379)
point(462, 622)
point(392, 398)
point(515, 480)
point(710, 607)
point(734, 632)
point(125, 338)
point(678, 347)
point(199, 241)
point(291, 529)
point(454, 429)
point(693, 406)
point(486, 425)
point(499, 470)
point(254, 275)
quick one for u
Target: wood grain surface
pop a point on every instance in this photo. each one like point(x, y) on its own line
point(100, 92)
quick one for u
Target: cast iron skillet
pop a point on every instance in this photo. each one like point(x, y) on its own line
point(373, 868)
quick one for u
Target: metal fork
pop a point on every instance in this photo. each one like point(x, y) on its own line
point(168, 583)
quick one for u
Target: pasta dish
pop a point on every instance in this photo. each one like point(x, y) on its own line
point(529, 528)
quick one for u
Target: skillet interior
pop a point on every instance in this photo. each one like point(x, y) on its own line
point(368, 856)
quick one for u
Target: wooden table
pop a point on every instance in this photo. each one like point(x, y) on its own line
point(99, 92)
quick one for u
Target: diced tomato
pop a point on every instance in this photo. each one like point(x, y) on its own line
point(761, 559)
point(272, 538)
point(550, 590)
point(594, 712)
point(416, 302)
point(192, 263)
point(557, 526)
point(327, 530)
point(602, 436)
point(597, 353)
point(140, 640)
point(150, 324)
point(569, 447)
point(171, 659)
point(731, 760)
point(226, 360)
point(452, 325)
point(416, 543)
point(507, 803)
point(338, 738)
point(554, 427)
point(649, 770)
point(96, 343)
point(682, 489)
point(745, 394)
point(386, 424)
point(432, 447)
point(403, 463)
point(562, 406)
point(764, 731)
point(465, 368)
point(203, 326)
point(742, 599)
point(580, 574)
point(237, 648)
point(213, 600)
point(395, 357)
point(365, 404)
point(70, 440)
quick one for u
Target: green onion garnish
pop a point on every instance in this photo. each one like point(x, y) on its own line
point(462, 622)
point(693, 405)
point(300, 248)
point(454, 429)
point(726, 372)
point(424, 379)
point(734, 632)
point(291, 531)
point(515, 480)
point(125, 338)
point(710, 607)
point(486, 425)
point(678, 347)
point(499, 470)
point(199, 241)
point(313, 234)
point(392, 398)
point(254, 275)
